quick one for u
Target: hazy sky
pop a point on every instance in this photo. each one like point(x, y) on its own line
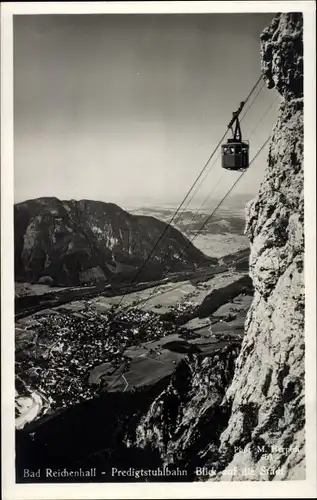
point(127, 108)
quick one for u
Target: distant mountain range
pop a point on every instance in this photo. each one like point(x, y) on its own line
point(234, 202)
point(224, 221)
point(78, 242)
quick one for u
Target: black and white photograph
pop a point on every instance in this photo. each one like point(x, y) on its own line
point(158, 248)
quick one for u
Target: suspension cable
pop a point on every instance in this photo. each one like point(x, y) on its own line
point(188, 193)
point(204, 224)
point(232, 187)
point(253, 100)
point(219, 180)
point(215, 159)
point(252, 134)
point(204, 202)
point(263, 116)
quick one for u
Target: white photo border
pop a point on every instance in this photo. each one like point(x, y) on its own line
point(287, 489)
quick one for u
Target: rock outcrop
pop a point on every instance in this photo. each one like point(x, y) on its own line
point(187, 416)
point(256, 431)
point(265, 431)
point(78, 242)
point(239, 413)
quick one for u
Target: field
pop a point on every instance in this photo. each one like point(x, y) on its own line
point(70, 353)
point(222, 235)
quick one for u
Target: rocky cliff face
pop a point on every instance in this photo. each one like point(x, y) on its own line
point(267, 392)
point(183, 421)
point(76, 242)
point(256, 431)
point(237, 414)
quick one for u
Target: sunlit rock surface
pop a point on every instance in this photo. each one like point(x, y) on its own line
point(238, 412)
point(267, 392)
point(247, 422)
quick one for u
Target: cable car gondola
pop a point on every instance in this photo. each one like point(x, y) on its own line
point(235, 153)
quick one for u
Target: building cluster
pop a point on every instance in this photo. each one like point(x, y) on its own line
point(69, 345)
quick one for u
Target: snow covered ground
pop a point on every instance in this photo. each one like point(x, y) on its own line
point(29, 408)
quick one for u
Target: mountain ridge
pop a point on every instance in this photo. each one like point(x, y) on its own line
point(76, 242)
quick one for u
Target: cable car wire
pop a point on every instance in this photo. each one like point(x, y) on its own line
point(199, 186)
point(232, 187)
point(213, 212)
point(201, 228)
point(214, 162)
point(188, 193)
point(205, 201)
point(219, 180)
point(263, 116)
point(253, 100)
point(253, 131)
point(252, 134)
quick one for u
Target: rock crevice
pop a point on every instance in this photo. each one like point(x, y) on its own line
point(269, 375)
point(254, 424)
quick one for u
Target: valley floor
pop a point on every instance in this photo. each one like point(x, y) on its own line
point(72, 353)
